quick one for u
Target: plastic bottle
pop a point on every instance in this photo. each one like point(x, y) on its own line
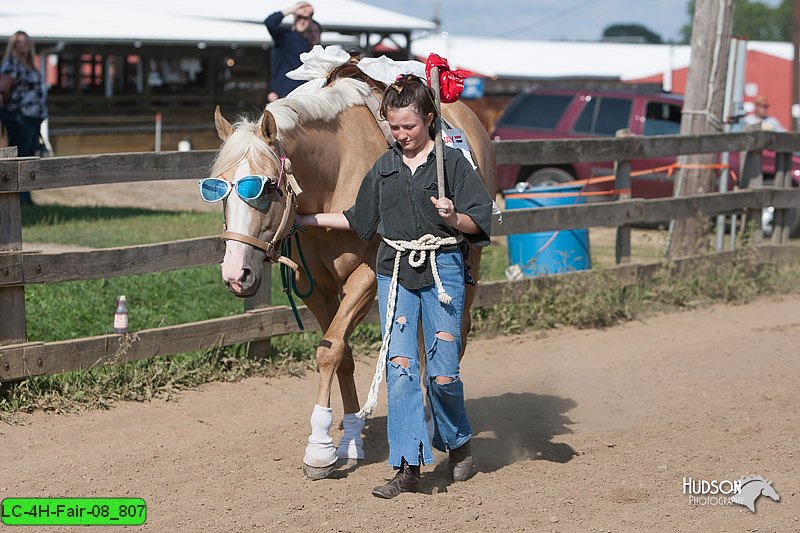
point(121, 316)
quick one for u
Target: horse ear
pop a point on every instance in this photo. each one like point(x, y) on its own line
point(269, 129)
point(224, 128)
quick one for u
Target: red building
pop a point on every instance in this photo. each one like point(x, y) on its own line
point(766, 74)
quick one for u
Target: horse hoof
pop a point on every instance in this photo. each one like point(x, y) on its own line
point(315, 473)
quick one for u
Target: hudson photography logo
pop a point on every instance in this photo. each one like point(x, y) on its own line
point(743, 491)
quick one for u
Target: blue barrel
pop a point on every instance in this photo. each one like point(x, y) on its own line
point(544, 253)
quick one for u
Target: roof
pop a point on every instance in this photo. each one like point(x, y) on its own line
point(504, 58)
point(185, 21)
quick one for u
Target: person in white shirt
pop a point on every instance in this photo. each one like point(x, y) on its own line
point(761, 117)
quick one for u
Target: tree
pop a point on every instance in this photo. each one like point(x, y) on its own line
point(754, 20)
point(632, 32)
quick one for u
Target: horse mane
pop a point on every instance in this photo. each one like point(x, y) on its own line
point(748, 479)
point(323, 105)
point(351, 71)
point(243, 142)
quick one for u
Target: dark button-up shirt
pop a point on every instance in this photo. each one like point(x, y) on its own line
point(396, 204)
point(284, 55)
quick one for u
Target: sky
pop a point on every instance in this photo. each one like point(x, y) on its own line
point(548, 19)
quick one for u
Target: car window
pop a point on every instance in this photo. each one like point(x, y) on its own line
point(604, 116)
point(662, 119)
point(586, 118)
point(541, 111)
point(614, 114)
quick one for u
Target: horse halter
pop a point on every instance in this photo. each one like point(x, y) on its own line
point(272, 248)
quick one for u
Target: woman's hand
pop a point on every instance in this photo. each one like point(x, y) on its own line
point(446, 210)
point(323, 220)
point(304, 9)
point(304, 220)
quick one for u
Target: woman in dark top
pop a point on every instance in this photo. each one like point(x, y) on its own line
point(287, 46)
point(420, 272)
point(24, 97)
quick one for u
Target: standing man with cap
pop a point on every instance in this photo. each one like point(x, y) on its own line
point(761, 118)
point(288, 44)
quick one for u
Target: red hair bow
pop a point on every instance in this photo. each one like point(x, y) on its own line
point(451, 82)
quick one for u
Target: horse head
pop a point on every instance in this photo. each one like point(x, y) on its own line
point(254, 179)
point(751, 488)
point(769, 491)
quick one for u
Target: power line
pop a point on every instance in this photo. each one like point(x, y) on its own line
point(537, 23)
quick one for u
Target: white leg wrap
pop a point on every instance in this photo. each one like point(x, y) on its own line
point(320, 451)
point(351, 445)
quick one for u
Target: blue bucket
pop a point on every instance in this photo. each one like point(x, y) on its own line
point(542, 253)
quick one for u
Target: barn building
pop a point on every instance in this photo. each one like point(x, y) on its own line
point(113, 70)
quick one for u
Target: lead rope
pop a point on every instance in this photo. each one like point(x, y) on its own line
point(288, 281)
point(421, 249)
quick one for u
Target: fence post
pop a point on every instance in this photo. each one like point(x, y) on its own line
point(752, 173)
point(783, 169)
point(622, 184)
point(12, 299)
point(262, 298)
point(752, 177)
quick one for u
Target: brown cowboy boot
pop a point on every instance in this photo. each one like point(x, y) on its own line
point(405, 480)
point(460, 462)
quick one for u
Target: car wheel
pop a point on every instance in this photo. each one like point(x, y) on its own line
point(549, 176)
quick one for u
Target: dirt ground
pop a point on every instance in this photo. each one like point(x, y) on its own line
point(575, 430)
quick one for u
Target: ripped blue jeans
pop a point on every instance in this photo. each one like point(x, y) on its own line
point(407, 433)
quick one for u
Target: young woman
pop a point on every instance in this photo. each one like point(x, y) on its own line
point(23, 97)
point(398, 200)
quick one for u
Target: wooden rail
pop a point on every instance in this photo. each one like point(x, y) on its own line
point(632, 148)
point(17, 268)
point(638, 211)
point(260, 321)
point(32, 359)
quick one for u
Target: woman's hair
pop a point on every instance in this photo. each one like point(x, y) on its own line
point(305, 34)
point(410, 91)
point(29, 58)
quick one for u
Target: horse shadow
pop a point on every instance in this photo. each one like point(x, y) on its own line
point(507, 429)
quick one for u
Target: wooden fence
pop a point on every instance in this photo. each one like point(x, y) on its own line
point(261, 321)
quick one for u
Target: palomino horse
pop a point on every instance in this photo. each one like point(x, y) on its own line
point(327, 141)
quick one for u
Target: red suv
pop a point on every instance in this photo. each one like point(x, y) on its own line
point(562, 113)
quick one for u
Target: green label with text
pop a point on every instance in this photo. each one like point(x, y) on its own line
point(73, 511)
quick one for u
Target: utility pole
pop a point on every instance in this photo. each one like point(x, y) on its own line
point(702, 109)
point(796, 64)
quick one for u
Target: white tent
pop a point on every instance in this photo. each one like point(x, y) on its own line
point(553, 59)
point(185, 21)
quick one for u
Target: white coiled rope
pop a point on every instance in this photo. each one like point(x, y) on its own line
point(421, 249)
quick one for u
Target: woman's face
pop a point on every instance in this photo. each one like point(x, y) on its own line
point(313, 34)
point(408, 128)
point(22, 44)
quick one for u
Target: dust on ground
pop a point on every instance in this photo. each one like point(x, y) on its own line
point(575, 430)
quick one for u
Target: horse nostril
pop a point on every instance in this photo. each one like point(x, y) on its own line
point(246, 273)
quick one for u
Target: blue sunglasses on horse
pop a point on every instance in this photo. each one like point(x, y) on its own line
point(248, 188)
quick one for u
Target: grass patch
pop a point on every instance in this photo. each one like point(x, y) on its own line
point(494, 261)
point(73, 309)
point(108, 227)
point(598, 299)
